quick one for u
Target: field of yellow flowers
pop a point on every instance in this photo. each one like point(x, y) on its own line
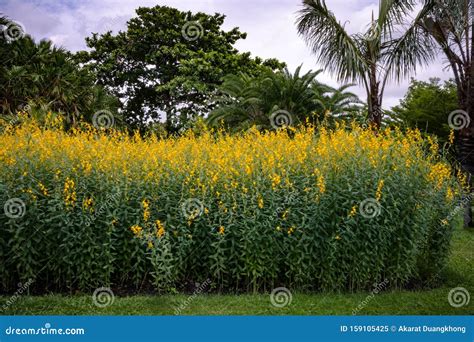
point(316, 210)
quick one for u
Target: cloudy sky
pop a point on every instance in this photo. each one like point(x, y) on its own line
point(270, 25)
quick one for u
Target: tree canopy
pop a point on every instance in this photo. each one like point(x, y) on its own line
point(391, 46)
point(44, 75)
point(281, 98)
point(427, 105)
point(168, 64)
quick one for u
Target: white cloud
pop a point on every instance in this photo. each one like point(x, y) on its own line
point(270, 26)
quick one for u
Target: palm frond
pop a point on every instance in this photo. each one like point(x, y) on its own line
point(334, 48)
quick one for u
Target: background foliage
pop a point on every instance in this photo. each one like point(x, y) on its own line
point(161, 73)
point(427, 105)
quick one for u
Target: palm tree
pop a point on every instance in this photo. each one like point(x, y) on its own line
point(371, 58)
point(293, 93)
point(249, 101)
point(338, 102)
point(240, 104)
point(450, 25)
point(48, 77)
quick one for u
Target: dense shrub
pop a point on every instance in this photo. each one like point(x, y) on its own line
point(325, 210)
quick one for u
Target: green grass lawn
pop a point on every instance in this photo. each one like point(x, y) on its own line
point(459, 273)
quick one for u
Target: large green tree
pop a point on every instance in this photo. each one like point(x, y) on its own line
point(450, 25)
point(427, 105)
point(47, 76)
point(391, 47)
point(167, 64)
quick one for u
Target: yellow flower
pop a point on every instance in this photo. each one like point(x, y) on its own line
point(438, 174)
point(449, 194)
point(320, 181)
point(276, 180)
point(353, 211)
point(434, 147)
point(69, 192)
point(160, 228)
point(378, 193)
point(260, 201)
point(87, 203)
point(451, 137)
point(337, 237)
point(146, 210)
point(150, 245)
point(291, 230)
point(221, 230)
point(136, 230)
point(43, 188)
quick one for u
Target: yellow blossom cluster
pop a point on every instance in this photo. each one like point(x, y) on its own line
point(69, 192)
point(240, 198)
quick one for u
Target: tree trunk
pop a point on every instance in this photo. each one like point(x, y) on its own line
point(375, 108)
point(465, 148)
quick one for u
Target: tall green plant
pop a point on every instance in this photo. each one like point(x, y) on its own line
point(371, 58)
point(248, 101)
point(48, 78)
